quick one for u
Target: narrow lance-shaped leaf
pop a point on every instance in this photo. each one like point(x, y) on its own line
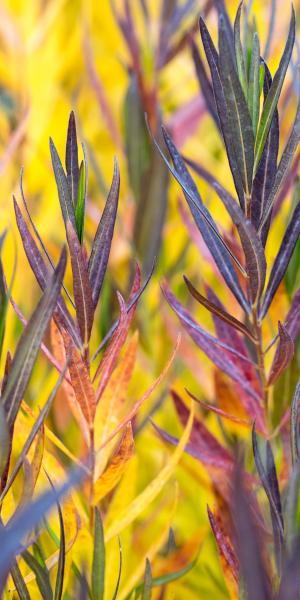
point(81, 286)
point(295, 425)
point(253, 250)
point(253, 88)
point(19, 582)
point(64, 194)
point(41, 575)
point(147, 585)
point(266, 172)
point(34, 431)
point(212, 347)
point(102, 242)
point(81, 383)
point(205, 224)
point(269, 485)
point(228, 134)
point(29, 344)
point(42, 274)
point(224, 545)
point(283, 167)
point(120, 571)
point(205, 84)
point(283, 356)
point(98, 567)
point(239, 54)
point(62, 550)
point(237, 112)
point(72, 166)
point(80, 204)
point(217, 310)
point(274, 490)
point(282, 260)
point(274, 93)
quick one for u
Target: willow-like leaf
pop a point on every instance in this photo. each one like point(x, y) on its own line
point(270, 485)
point(253, 249)
point(29, 344)
point(253, 88)
point(205, 84)
point(120, 570)
point(205, 223)
point(238, 116)
point(228, 134)
point(213, 308)
point(274, 93)
point(282, 260)
point(98, 567)
point(239, 54)
point(42, 274)
point(81, 286)
point(41, 575)
point(224, 545)
point(212, 347)
point(147, 584)
point(295, 425)
point(266, 172)
point(103, 238)
point(80, 203)
point(283, 167)
point(283, 356)
point(72, 166)
point(19, 582)
point(64, 194)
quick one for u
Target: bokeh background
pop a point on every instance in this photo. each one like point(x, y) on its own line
point(59, 55)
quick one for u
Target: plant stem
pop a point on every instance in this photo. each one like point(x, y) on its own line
point(260, 355)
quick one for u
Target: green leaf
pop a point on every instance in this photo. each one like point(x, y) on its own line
point(168, 577)
point(98, 567)
point(238, 113)
point(80, 204)
point(41, 575)
point(72, 167)
point(61, 558)
point(240, 61)
point(63, 189)
point(147, 585)
point(274, 93)
point(253, 89)
point(19, 582)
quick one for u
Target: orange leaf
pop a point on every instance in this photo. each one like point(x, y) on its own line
point(112, 475)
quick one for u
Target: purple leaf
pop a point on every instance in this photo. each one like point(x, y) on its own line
point(282, 260)
point(252, 246)
point(72, 166)
point(218, 310)
point(205, 223)
point(283, 355)
point(202, 444)
point(205, 85)
point(284, 166)
point(266, 172)
point(29, 344)
point(228, 135)
point(63, 190)
point(211, 346)
point(103, 238)
point(81, 286)
point(42, 274)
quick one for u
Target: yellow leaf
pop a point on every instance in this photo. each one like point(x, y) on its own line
point(111, 477)
point(141, 502)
